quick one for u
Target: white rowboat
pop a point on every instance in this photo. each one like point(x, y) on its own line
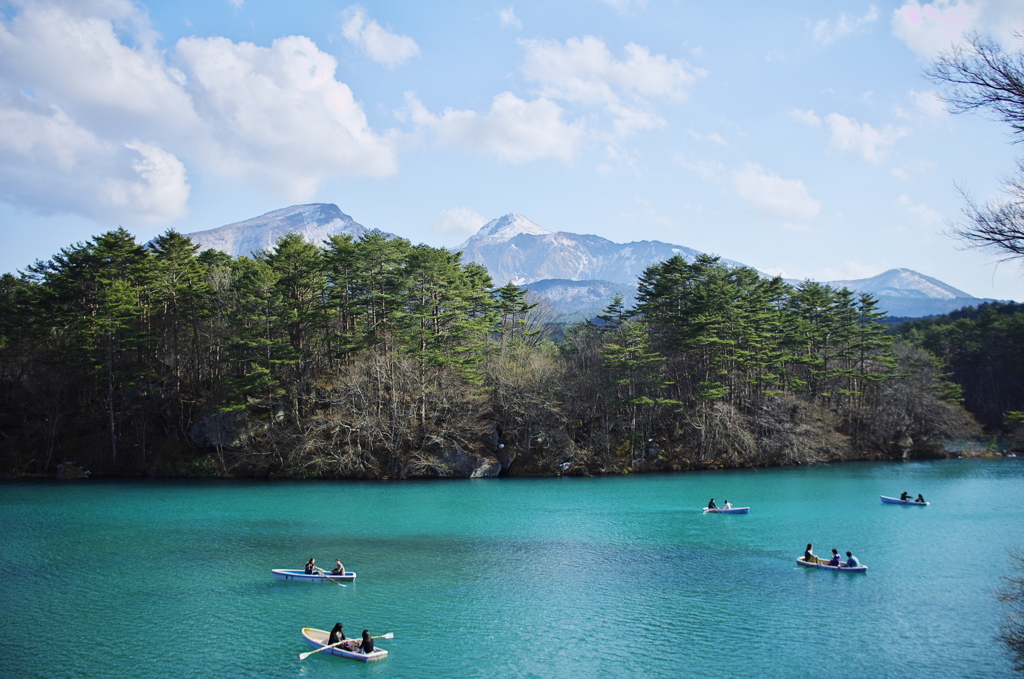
point(317, 638)
point(299, 575)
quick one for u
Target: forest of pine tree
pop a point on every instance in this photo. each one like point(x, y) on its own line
point(376, 358)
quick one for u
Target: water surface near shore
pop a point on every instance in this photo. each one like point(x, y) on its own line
point(594, 577)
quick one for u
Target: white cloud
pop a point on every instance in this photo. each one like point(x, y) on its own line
point(277, 117)
point(236, 3)
point(508, 17)
point(584, 71)
point(929, 103)
point(514, 130)
point(827, 31)
point(622, 6)
point(712, 137)
point(868, 142)
point(933, 27)
point(773, 196)
point(459, 221)
point(927, 214)
point(43, 149)
point(92, 106)
point(849, 271)
point(709, 170)
point(808, 118)
point(380, 44)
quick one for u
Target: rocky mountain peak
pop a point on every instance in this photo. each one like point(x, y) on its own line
point(503, 229)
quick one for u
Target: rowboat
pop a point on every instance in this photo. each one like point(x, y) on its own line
point(826, 567)
point(299, 575)
point(317, 638)
point(897, 501)
point(734, 510)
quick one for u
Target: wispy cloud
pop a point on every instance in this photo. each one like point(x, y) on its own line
point(868, 142)
point(828, 30)
point(458, 221)
point(383, 46)
point(808, 118)
point(508, 18)
point(772, 196)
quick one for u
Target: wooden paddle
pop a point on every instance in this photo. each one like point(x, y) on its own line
point(303, 656)
point(324, 574)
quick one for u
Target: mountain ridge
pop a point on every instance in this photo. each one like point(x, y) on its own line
point(579, 273)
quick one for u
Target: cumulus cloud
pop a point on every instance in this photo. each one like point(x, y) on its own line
point(43, 149)
point(90, 104)
point(808, 118)
point(383, 46)
point(458, 221)
point(508, 17)
point(772, 196)
point(930, 28)
point(584, 71)
point(514, 130)
point(827, 30)
point(861, 138)
point(276, 115)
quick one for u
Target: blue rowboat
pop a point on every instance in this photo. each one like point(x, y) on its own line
point(299, 575)
point(734, 510)
point(317, 638)
point(897, 501)
point(826, 567)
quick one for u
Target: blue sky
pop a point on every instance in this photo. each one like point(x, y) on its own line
point(800, 138)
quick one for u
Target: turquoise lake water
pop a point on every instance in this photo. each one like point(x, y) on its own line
point(571, 577)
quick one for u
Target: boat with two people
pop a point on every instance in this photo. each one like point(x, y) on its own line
point(727, 508)
point(904, 499)
point(362, 649)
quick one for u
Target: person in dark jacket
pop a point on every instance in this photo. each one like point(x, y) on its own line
point(337, 635)
point(367, 645)
point(712, 505)
point(920, 498)
point(311, 568)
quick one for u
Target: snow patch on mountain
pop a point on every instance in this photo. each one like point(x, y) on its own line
point(903, 283)
point(315, 222)
point(504, 229)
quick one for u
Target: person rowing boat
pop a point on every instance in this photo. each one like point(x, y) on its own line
point(712, 505)
point(311, 568)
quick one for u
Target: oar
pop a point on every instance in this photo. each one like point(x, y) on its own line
point(324, 574)
point(303, 656)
